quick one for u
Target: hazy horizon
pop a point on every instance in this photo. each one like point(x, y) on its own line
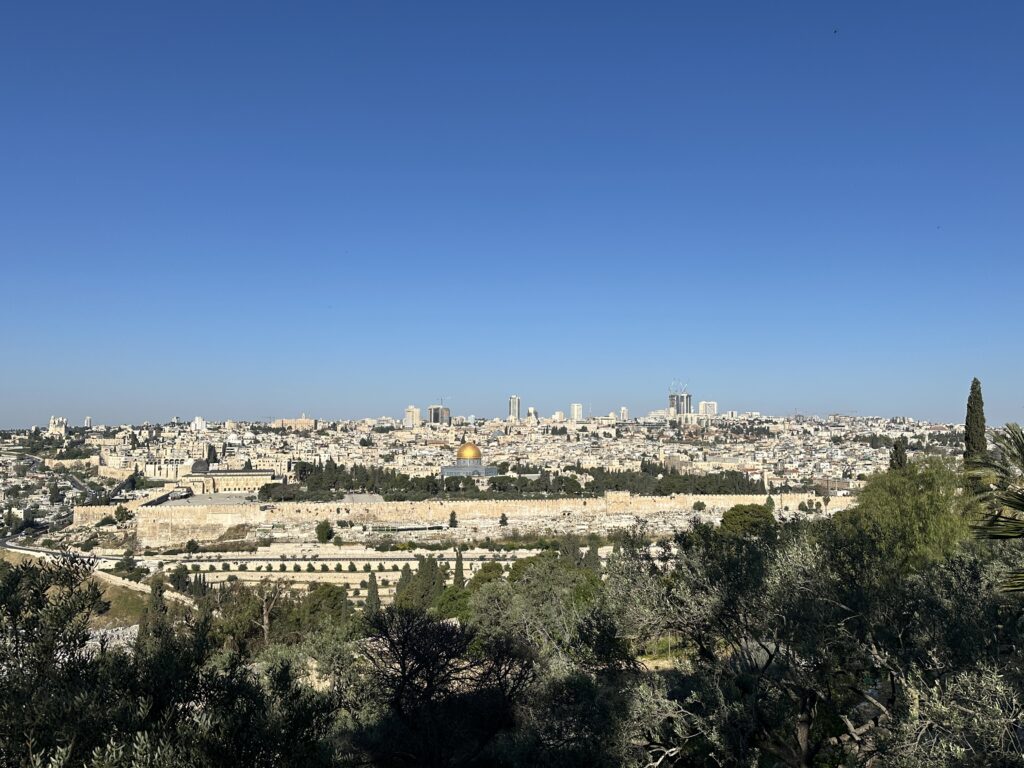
point(75, 420)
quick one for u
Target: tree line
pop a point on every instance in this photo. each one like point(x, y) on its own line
point(330, 481)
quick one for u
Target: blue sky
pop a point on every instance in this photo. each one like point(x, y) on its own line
point(250, 210)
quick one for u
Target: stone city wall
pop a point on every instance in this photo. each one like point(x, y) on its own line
point(117, 473)
point(83, 463)
point(168, 524)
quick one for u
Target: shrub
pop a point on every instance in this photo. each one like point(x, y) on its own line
point(324, 532)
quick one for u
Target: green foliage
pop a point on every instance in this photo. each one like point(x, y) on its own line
point(332, 481)
point(748, 520)
point(898, 454)
point(657, 480)
point(447, 693)
point(912, 517)
point(372, 604)
point(324, 531)
point(423, 588)
point(459, 578)
point(1002, 474)
point(879, 636)
point(592, 559)
point(975, 446)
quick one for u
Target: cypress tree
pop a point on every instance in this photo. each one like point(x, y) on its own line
point(460, 575)
point(974, 441)
point(898, 454)
point(346, 606)
point(403, 581)
point(372, 605)
point(592, 559)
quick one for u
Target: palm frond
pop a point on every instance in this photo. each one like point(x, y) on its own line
point(1014, 582)
point(1000, 526)
point(1006, 460)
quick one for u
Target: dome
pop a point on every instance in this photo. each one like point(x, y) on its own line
point(468, 451)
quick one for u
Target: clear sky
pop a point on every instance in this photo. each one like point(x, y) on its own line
point(248, 210)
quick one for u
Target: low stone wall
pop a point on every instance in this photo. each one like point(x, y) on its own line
point(163, 524)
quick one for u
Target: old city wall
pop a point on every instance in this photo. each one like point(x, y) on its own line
point(83, 463)
point(164, 524)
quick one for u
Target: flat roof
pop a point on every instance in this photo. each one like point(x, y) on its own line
point(209, 499)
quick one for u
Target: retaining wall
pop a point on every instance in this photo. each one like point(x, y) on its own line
point(168, 524)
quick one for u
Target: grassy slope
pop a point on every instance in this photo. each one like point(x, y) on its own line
point(126, 606)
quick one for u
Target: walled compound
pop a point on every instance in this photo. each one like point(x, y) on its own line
point(161, 522)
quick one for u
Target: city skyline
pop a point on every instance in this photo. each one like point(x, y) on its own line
point(420, 410)
point(250, 212)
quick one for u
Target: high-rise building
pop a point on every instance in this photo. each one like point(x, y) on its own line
point(513, 409)
point(707, 408)
point(412, 417)
point(531, 415)
point(576, 412)
point(88, 422)
point(680, 403)
point(623, 413)
point(558, 416)
point(439, 414)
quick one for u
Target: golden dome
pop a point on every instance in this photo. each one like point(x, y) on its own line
point(468, 451)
